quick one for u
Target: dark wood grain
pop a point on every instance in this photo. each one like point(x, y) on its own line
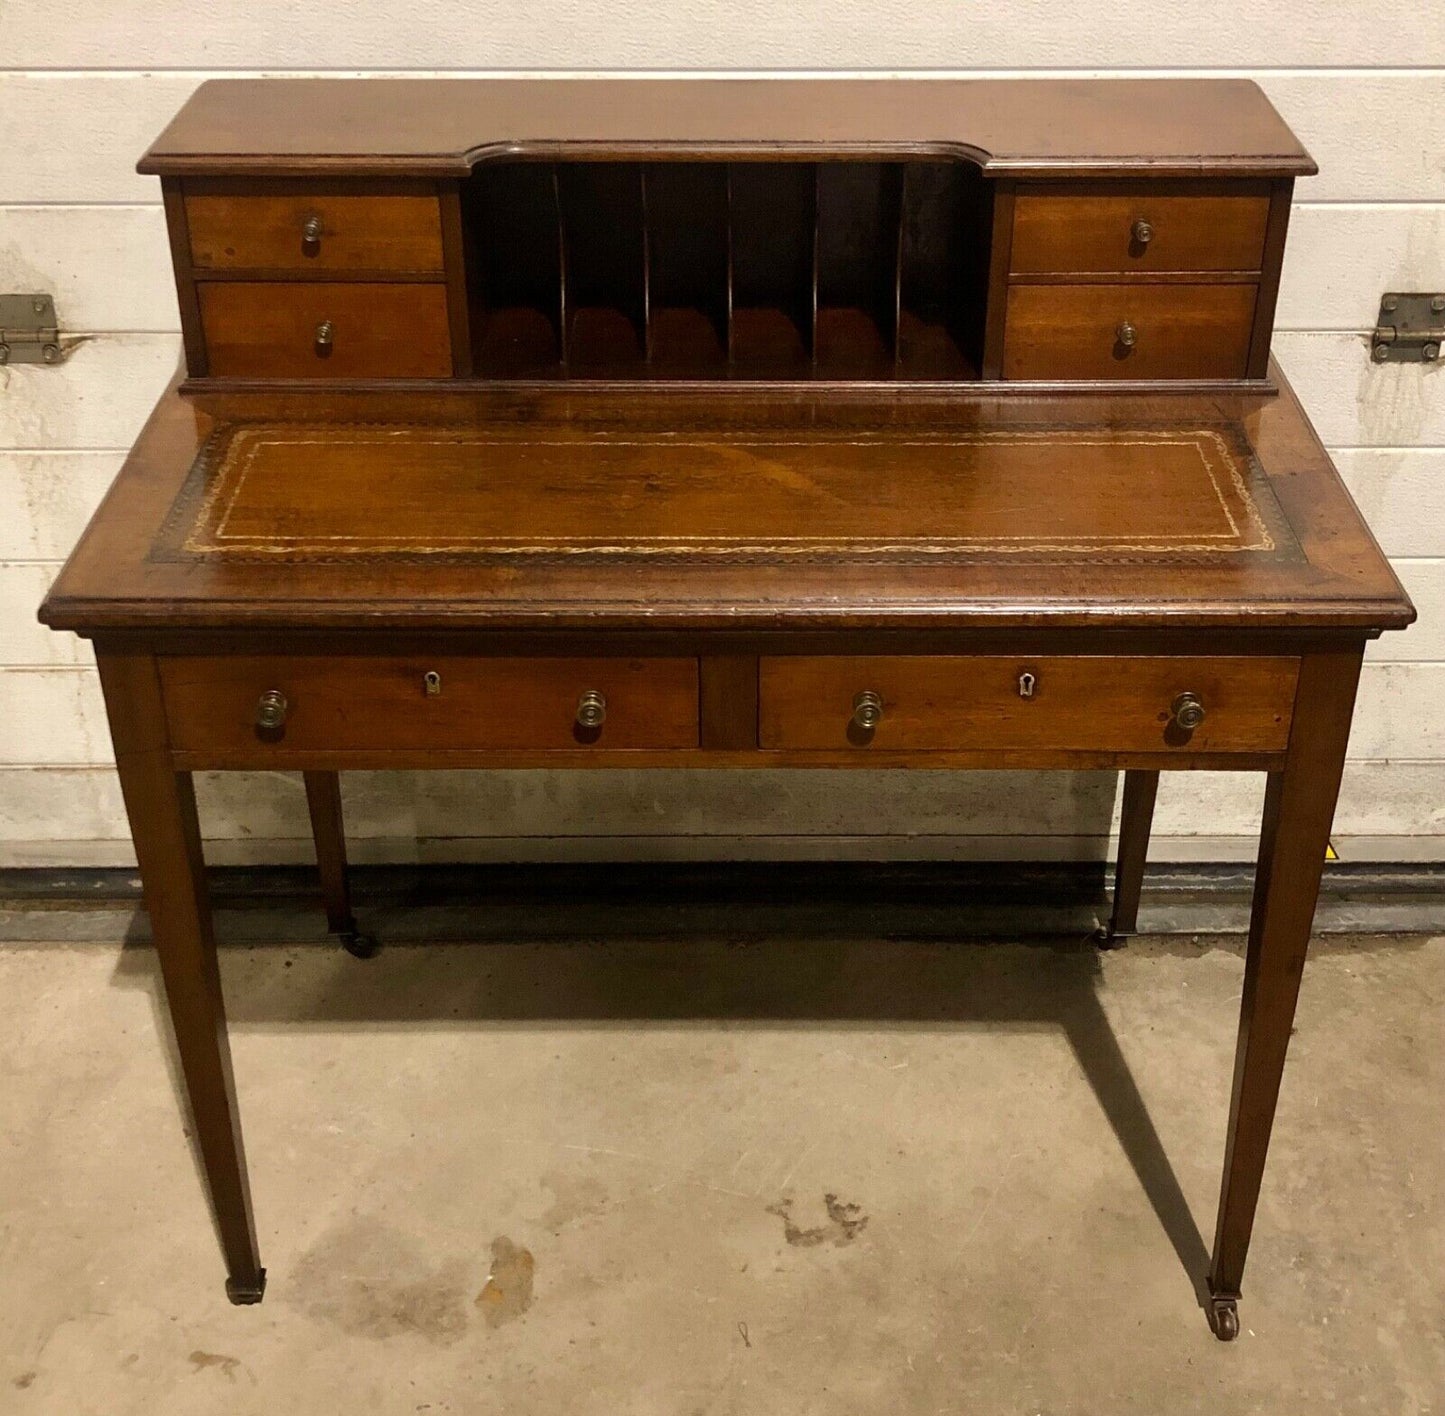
point(1326, 573)
point(161, 807)
point(938, 702)
point(442, 127)
point(1281, 192)
point(193, 336)
point(384, 704)
point(248, 227)
point(458, 265)
point(1183, 331)
point(1140, 790)
point(323, 804)
point(729, 701)
point(1086, 227)
point(1299, 806)
point(269, 329)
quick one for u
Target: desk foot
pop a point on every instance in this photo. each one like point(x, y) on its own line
point(357, 944)
point(1107, 937)
point(240, 1293)
point(1224, 1316)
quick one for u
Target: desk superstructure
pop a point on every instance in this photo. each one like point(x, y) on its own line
point(728, 423)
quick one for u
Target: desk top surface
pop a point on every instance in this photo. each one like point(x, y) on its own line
point(668, 510)
point(441, 127)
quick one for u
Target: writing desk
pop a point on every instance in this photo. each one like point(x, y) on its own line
point(856, 507)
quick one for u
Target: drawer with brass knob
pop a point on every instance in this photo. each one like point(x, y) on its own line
point(312, 227)
point(1060, 702)
point(325, 329)
point(260, 708)
point(1135, 330)
point(1138, 226)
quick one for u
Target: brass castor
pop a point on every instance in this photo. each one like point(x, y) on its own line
point(243, 1293)
point(1106, 937)
point(1224, 1318)
point(357, 944)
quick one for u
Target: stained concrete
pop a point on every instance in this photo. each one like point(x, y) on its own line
point(697, 1175)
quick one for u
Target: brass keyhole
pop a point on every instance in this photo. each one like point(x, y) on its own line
point(431, 683)
point(1027, 681)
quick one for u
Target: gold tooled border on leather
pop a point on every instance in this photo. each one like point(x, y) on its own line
point(195, 527)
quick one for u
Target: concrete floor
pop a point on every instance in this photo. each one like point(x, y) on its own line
point(785, 1176)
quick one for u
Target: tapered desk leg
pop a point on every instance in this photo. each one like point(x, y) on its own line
point(323, 800)
point(161, 805)
point(1299, 806)
point(1140, 789)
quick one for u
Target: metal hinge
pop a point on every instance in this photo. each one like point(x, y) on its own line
point(1410, 329)
point(29, 333)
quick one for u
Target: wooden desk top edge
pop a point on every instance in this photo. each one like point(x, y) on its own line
point(110, 585)
point(1009, 127)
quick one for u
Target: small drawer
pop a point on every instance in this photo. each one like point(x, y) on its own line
point(325, 330)
point(1122, 228)
point(314, 231)
point(1128, 331)
point(1059, 703)
point(235, 706)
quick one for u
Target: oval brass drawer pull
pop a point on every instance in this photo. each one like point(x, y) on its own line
point(325, 335)
point(311, 234)
point(1188, 711)
point(867, 710)
point(591, 709)
point(1126, 334)
point(1142, 232)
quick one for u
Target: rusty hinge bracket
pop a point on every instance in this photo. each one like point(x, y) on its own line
point(1410, 329)
point(29, 333)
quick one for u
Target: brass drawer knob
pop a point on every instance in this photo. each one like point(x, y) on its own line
point(1188, 711)
point(591, 709)
point(867, 710)
point(1142, 232)
point(1126, 334)
point(311, 234)
point(325, 333)
point(271, 710)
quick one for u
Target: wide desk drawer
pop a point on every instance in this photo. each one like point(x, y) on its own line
point(316, 230)
point(1119, 228)
point(1134, 331)
point(364, 703)
point(325, 329)
point(1064, 703)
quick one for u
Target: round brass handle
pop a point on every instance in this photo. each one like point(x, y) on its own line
point(1188, 711)
point(591, 709)
point(867, 710)
point(1126, 334)
point(311, 231)
point(271, 710)
point(324, 335)
point(1142, 232)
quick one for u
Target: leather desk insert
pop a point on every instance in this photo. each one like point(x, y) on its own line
point(934, 703)
point(432, 491)
point(729, 423)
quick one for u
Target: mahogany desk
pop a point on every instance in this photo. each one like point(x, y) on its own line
point(902, 448)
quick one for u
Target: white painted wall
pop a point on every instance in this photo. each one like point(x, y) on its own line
point(85, 86)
